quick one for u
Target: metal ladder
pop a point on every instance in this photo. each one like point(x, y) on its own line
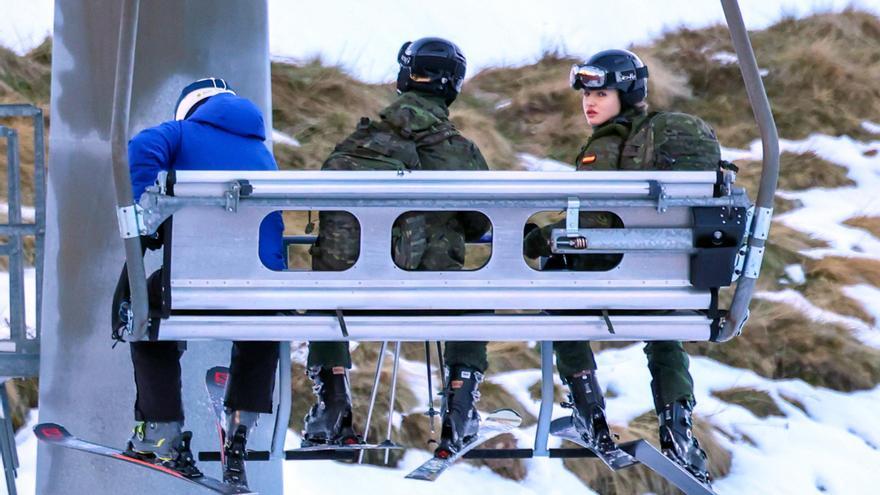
point(19, 353)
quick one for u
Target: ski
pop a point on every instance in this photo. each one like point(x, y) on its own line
point(215, 383)
point(56, 434)
point(676, 474)
point(496, 423)
point(615, 458)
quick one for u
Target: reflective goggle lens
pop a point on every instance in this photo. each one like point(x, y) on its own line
point(586, 76)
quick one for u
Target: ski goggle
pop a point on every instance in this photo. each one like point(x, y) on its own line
point(589, 76)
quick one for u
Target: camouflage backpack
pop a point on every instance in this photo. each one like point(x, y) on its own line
point(670, 141)
point(407, 128)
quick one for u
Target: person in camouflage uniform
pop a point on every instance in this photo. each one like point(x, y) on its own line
point(414, 133)
point(626, 137)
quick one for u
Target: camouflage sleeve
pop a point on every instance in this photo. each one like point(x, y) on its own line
point(409, 240)
point(475, 224)
point(339, 242)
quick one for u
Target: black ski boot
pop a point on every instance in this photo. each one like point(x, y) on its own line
point(164, 443)
point(461, 421)
point(588, 409)
point(678, 442)
point(329, 421)
point(238, 425)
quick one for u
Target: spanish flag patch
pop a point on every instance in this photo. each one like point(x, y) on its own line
point(588, 159)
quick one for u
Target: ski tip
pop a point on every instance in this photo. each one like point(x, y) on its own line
point(51, 432)
point(218, 375)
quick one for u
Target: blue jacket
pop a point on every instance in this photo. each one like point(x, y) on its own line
point(225, 133)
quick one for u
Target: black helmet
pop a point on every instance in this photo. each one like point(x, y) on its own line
point(622, 70)
point(432, 65)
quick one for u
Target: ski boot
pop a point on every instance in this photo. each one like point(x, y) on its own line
point(588, 409)
point(678, 442)
point(238, 425)
point(329, 421)
point(164, 443)
point(461, 421)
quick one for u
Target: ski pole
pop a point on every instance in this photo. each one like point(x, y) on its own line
point(393, 394)
point(431, 412)
point(373, 395)
point(442, 364)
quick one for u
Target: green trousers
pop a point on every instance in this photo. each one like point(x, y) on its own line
point(667, 360)
point(330, 354)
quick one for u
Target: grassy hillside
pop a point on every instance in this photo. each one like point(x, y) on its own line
point(821, 77)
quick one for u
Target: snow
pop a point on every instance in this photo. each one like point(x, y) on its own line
point(285, 139)
point(30, 303)
point(825, 209)
point(28, 213)
point(725, 58)
point(871, 127)
point(537, 164)
point(795, 274)
point(866, 333)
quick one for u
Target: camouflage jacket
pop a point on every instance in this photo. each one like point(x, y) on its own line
point(634, 140)
point(414, 133)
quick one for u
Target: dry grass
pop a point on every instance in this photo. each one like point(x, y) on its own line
point(319, 106)
point(26, 79)
point(783, 249)
point(779, 342)
point(23, 396)
point(827, 295)
point(534, 107)
point(845, 271)
point(510, 356)
point(639, 479)
point(758, 402)
point(870, 224)
point(822, 75)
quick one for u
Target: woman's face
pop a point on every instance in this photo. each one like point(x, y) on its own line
point(600, 105)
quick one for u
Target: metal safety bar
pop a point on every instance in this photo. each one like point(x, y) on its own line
point(739, 307)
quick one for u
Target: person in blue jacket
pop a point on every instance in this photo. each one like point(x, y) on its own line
point(213, 129)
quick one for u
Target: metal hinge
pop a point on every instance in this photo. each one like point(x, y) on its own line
point(131, 221)
point(753, 262)
point(572, 217)
point(740, 262)
point(763, 218)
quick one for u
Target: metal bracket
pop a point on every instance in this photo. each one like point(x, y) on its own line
point(763, 217)
point(753, 262)
point(161, 181)
point(233, 195)
point(607, 321)
point(658, 190)
point(744, 247)
point(572, 217)
point(131, 221)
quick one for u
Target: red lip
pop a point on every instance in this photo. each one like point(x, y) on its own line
point(591, 113)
